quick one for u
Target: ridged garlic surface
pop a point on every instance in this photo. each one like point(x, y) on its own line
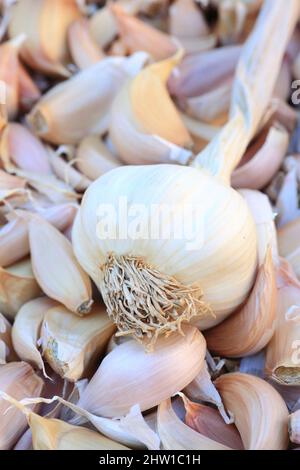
point(150, 284)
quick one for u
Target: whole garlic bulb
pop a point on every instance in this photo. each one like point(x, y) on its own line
point(152, 282)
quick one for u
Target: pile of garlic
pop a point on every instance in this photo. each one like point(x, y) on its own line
point(140, 342)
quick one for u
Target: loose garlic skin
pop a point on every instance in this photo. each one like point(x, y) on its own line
point(223, 261)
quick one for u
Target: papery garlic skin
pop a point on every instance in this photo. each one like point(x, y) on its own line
point(221, 267)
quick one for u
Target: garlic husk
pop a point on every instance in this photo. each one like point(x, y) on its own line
point(52, 188)
point(7, 353)
point(261, 163)
point(80, 106)
point(19, 147)
point(202, 389)
point(131, 430)
point(93, 158)
point(64, 281)
point(224, 266)
point(65, 171)
point(250, 329)
point(199, 74)
point(138, 36)
point(28, 90)
point(208, 421)
point(294, 427)
point(185, 19)
point(175, 435)
point(14, 244)
point(84, 50)
point(19, 380)
point(264, 218)
point(73, 346)
point(54, 434)
point(17, 286)
point(129, 375)
point(143, 113)
point(282, 357)
point(48, 19)
point(26, 330)
point(260, 413)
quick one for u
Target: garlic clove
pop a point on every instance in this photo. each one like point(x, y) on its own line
point(200, 73)
point(26, 330)
point(185, 19)
point(73, 346)
point(48, 19)
point(260, 413)
point(117, 385)
point(19, 147)
point(138, 36)
point(147, 89)
point(14, 244)
point(19, 380)
point(83, 48)
point(212, 105)
point(55, 117)
point(29, 91)
point(294, 427)
point(9, 67)
point(93, 158)
point(262, 160)
point(282, 358)
point(103, 27)
point(65, 281)
point(17, 286)
point(175, 435)
point(65, 171)
point(145, 125)
point(250, 329)
point(7, 353)
point(208, 422)
point(25, 441)
point(54, 434)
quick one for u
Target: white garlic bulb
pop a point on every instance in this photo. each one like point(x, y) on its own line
point(164, 243)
